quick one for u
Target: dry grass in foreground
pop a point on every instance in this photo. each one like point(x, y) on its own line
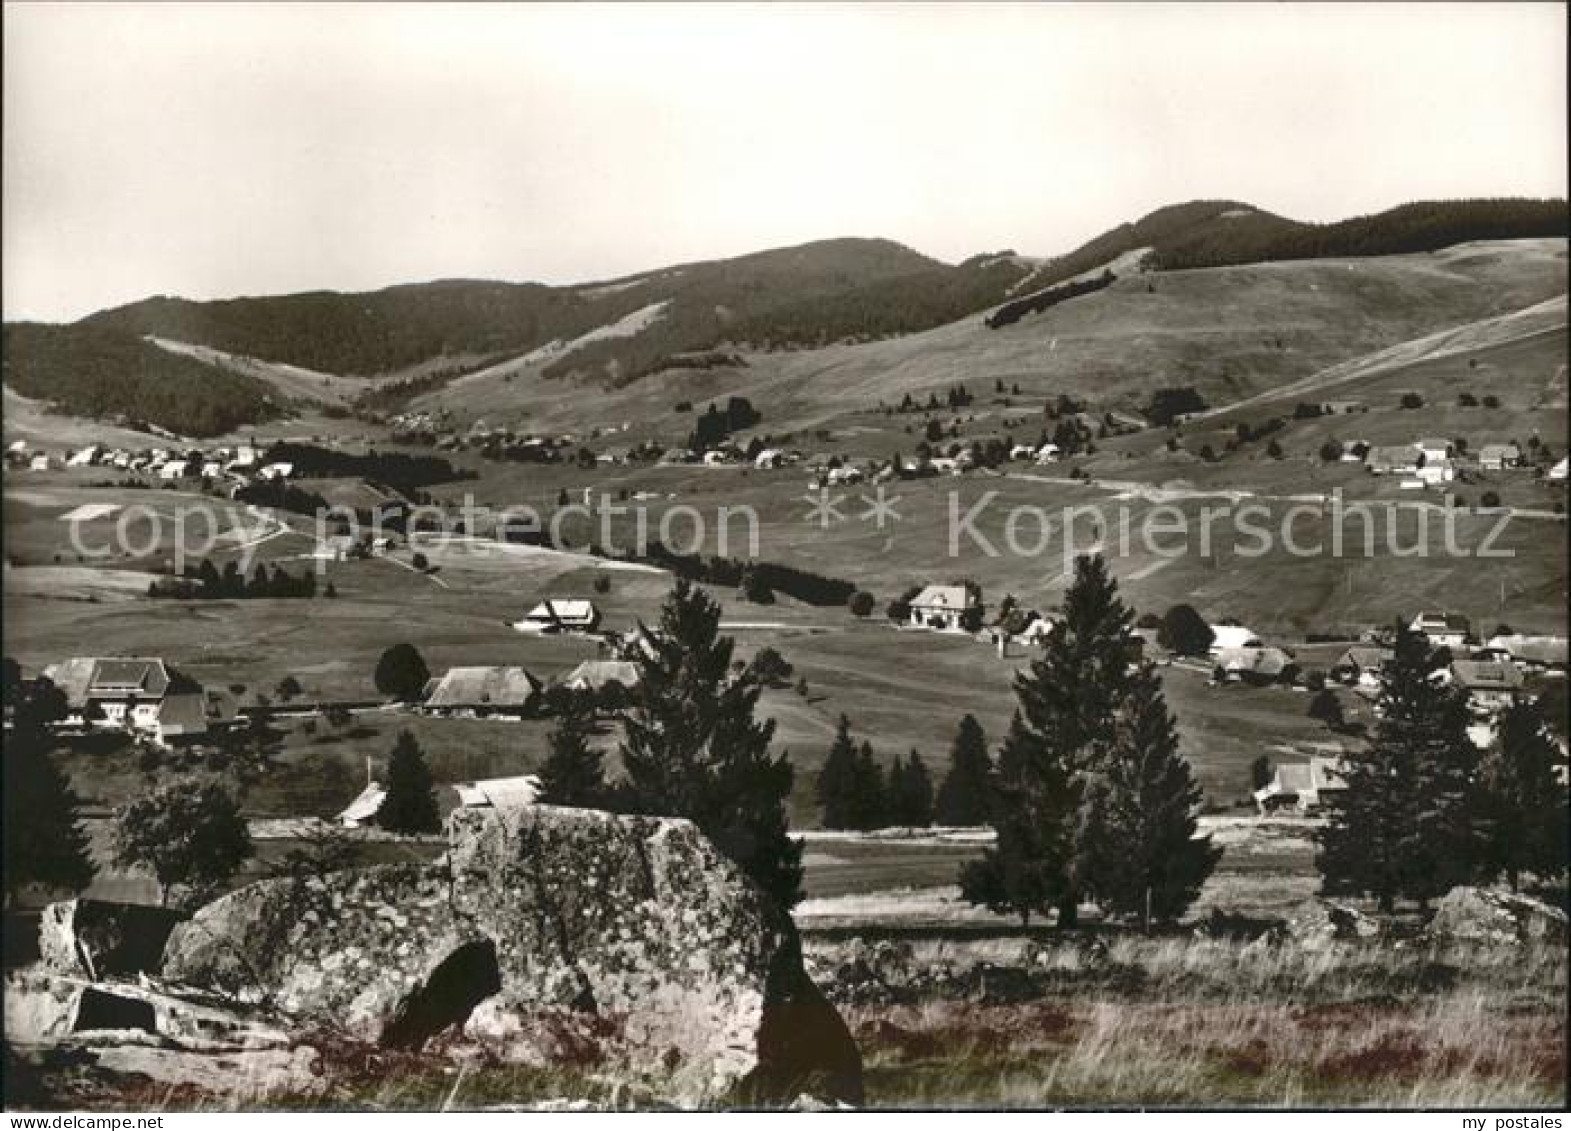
point(1205, 1022)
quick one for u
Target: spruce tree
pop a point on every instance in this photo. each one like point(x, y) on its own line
point(1405, 825)
point(869, 792)
point(1068, 699)
point(910, 793)
point(837, 779)
point(1525, 798)
point(1138, 854)
point(410, 804)
point(963, 796)
point(693, 747)
point(1027, 869)
point(572, 774)
point(44, 843)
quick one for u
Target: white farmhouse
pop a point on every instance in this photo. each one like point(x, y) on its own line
point(942, 607)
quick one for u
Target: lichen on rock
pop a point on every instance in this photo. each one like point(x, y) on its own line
point(628, 944)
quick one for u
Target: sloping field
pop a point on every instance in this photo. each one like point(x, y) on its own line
point(290, 380)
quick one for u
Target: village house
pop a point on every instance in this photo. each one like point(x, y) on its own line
point(498, 793)
point(1255, 665)
point(1399, 459)
point(482, 692)
point(1491, 685)
point(603, 678)
point(1048, 453)
point(1444, 630)
point(173, 469)
point(769, 458)
point(1230, 637)
point(1538, 654)
point(1433, 449)
point(141, 694)
point(362, 811)
point(1022, 451)
point(1362, 666)
point(1498, 457)
point(39, 462)
point(944, 607)
point(86, 457)
point(277, 471)
point(557, 615)
point(1434, 473)
point(1557, 473)
point(1342, 408)
point(1304, 786)
point(843, 476)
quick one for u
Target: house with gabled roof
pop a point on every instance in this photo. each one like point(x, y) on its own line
point(481, 692)
point(1498, 457)
point(1304, 786)
point(1444, 630)
point(602, 676)
point(1394, 459)
point(1491, 685)
point(498, 793)
point(1362, 665)
point(943, 607)
point(559, 615)
point(1530, 653)
point(1255, 665)
point(363, 810)
point(139, 693)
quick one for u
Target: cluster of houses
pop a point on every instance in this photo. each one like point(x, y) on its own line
point(1493, 672)
point(1433, 461)
point(240, 462)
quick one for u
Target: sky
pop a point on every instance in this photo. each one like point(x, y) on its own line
point(218, 150)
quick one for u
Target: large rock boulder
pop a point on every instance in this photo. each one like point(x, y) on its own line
point(1470, 914)
point(626, 943)
point(96, 939)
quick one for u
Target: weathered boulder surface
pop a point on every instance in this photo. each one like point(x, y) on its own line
point(1470, 914)
point(1322, 922)
point(95, 938)
point(634, 933)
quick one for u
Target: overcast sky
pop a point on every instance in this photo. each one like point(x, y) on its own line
point(235, 149)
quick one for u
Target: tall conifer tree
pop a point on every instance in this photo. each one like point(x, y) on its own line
point(1407, 823)
point(1138, 855)
point(963, 796)
point(694, 748)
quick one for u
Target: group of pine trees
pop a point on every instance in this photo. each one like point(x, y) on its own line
point(1423, 810)
point(1089, 795)
point(206, 583)
point(856, 792)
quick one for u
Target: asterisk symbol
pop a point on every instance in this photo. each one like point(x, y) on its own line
point(823, 507)
point(880, 508)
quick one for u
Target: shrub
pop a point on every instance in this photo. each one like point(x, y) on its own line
point(861, 603)
point(1412, 400)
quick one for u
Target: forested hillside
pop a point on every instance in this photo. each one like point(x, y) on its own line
point(110, 374)
point(1222, 233)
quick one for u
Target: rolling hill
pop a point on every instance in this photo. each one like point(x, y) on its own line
point(1232, 332)
point(1218, 294)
